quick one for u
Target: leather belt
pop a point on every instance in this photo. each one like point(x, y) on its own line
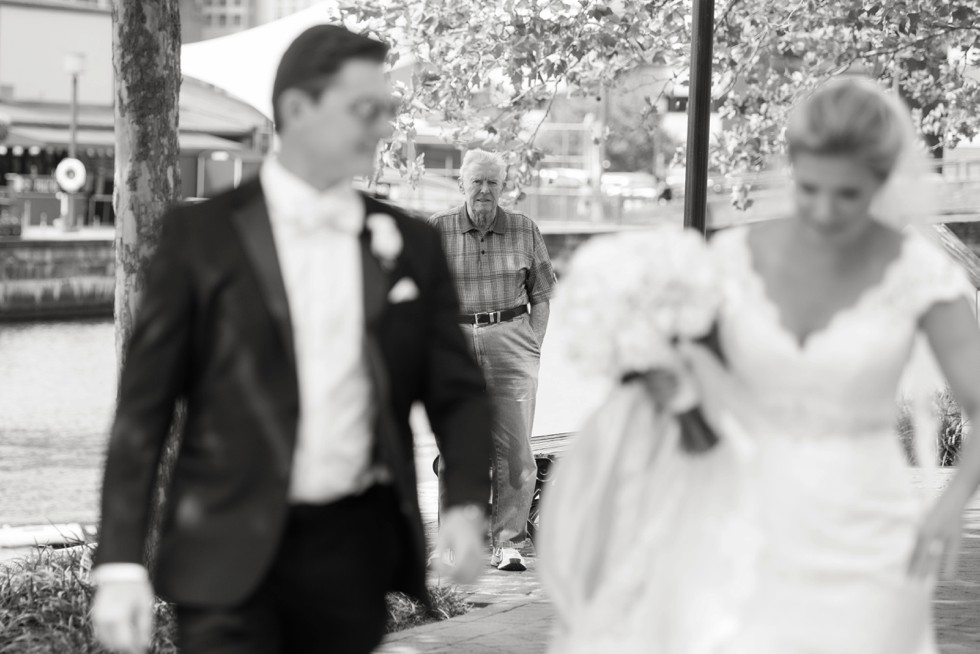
point(492, 317)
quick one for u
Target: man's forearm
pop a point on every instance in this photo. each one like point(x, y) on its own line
point(539, 319)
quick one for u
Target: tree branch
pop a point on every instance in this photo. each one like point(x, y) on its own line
point(547, 112)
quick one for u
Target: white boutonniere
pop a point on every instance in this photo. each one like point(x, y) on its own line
point(386, 240)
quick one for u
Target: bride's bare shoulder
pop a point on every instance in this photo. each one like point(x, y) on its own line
point(890, 237)
point(889, 244)
point(728, 234)
point(765, 231)
point(762, 236)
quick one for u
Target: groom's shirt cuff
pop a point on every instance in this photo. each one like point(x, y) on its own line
point(121, 572)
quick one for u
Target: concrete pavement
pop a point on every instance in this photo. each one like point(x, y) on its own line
point(511, 614)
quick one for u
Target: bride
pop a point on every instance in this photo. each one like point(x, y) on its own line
point(799, 533)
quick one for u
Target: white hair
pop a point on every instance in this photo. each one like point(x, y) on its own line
point(477, 157)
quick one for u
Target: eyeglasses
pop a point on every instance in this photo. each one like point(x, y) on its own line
point(371, 110)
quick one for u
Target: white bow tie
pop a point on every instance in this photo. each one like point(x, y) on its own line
point(344, 215)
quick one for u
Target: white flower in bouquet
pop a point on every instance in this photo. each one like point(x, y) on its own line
point(627, 297)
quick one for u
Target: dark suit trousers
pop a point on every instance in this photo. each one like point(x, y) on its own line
point(325, 592)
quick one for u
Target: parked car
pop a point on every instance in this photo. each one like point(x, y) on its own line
point(628, 185)
point(640, 186)
point(676, 180)
point(563, 177)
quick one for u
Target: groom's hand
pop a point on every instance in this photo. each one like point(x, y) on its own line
point(122, 615)
point(459, 548)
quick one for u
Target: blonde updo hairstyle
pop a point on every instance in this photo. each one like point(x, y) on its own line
point(849, 117)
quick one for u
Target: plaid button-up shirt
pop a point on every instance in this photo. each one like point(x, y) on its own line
point(507, 267)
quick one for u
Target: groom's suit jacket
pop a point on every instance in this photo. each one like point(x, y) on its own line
point(213, 328)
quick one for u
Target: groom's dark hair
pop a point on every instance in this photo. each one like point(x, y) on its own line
point(315, 56)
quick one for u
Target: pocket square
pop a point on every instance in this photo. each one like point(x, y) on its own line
point(404, 290)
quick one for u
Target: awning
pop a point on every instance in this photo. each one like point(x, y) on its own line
point(14, 139)
point(244, 63)
point(203, 109)
point(207, 142)
point(52, 137)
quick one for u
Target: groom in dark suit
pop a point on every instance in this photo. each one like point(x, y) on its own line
point(300, 321)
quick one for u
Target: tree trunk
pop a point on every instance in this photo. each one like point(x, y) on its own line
point(146, 60)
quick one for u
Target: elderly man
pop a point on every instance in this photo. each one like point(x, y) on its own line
point(500, 265)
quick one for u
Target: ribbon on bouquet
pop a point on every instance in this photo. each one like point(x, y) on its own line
point(696, 434)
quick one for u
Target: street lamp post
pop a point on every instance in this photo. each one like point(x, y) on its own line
point(699, 116)
point(74, 66)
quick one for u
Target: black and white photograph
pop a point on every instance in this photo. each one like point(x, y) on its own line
point(520, 327)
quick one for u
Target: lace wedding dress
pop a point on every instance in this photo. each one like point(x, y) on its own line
point(794, 534)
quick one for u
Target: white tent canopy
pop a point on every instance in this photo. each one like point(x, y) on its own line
point(244, 64)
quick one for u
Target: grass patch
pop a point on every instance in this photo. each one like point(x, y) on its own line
point(45, 600)
point(405, 613)
point(950, 437)
point(44, 605)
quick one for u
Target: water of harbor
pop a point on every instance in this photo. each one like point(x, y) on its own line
point(57, 394)
point(57, 390)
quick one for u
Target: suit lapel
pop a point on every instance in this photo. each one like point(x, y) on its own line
point(252, 221)
point(376, 283)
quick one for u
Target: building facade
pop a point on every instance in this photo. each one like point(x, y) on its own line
point(83, 4)
point(224, 17)
point(270, 10)
point(222, 139)
point(191, 21)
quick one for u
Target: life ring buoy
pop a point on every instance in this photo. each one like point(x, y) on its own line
point(70, 175)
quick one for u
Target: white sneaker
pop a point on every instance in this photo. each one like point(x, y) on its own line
point(444, 560)
point(508, 559)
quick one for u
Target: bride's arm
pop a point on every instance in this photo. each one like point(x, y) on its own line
point(951, 328)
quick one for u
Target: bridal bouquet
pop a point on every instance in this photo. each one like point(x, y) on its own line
point(628, 299)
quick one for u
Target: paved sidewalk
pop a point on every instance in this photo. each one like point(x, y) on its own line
point(957, 605)
point(505, 628)
point(512, 616)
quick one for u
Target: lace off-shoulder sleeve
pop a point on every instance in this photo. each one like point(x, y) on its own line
point(931, 277)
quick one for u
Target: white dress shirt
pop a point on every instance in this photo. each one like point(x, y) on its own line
point(321, 270)
point(316, 239)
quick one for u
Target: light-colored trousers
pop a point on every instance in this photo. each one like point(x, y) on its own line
point(509, 355)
